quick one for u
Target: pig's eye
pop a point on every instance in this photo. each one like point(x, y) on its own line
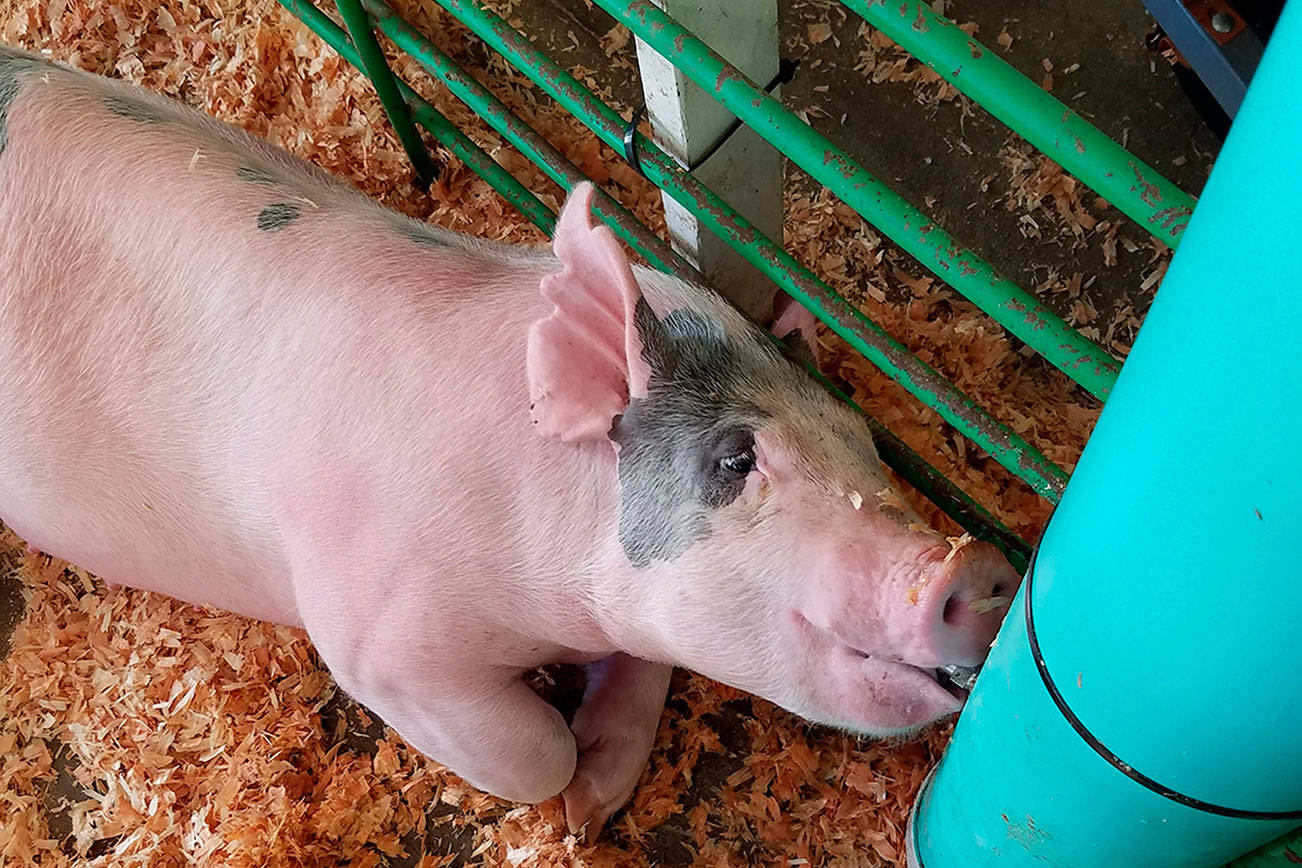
point(741, 464)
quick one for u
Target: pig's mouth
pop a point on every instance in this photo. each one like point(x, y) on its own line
point(882, 693)
point(957, 681)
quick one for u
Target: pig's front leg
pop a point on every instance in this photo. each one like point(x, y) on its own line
point(615, 728)
point(490, 729)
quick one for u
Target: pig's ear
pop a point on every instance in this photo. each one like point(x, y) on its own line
point(796, 327)
point(585, 358)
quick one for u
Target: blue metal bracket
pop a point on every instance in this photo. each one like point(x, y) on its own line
point(1222, 51)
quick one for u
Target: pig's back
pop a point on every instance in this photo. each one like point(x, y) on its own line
point(190, 321)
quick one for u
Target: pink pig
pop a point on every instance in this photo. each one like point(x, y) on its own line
point(229, 378)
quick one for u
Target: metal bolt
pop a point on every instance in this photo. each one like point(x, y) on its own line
point(1222, 22)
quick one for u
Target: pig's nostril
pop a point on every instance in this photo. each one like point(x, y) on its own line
point(953, 608)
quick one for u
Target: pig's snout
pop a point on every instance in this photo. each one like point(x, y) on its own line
point(958, 605)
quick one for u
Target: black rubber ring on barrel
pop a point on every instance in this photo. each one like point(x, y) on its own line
point(630, 140)
point(1116, 761)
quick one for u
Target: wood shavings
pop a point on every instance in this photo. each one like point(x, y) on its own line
point(889, 498)
point(957, 544)
point(1038, 185)
point(986, 604)
point(819, 32)
point(616, 39)
point(882, 60)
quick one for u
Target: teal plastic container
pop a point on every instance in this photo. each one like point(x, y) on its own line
point(1145, 708)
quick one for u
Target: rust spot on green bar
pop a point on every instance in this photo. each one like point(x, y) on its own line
point(726, 75)
point(1080, 146)
point(678, 42)
point(920, 23)
point(843, 165)
point(975, 49)
point(1148, 192)
point(904, 8)
point(1035, 319)
point(1173, 219)
point(956, 71)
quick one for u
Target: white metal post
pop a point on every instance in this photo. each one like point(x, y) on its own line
point(745, 170)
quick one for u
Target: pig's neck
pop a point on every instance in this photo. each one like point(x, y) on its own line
point(584, 589)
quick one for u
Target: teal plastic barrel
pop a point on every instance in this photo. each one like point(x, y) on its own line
point(1142, 705)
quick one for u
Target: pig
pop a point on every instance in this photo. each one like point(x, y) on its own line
point(231, 378)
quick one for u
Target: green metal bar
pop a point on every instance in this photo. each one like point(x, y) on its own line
point(859, 331)
point(527, 141)
point(1012, 307)
point(386, 87)
point(439, 126)
point(1114, 173)
point(952, 500)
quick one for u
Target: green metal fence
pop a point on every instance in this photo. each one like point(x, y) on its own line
point(1135, 188)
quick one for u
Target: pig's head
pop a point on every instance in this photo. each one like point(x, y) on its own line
point(767, 547)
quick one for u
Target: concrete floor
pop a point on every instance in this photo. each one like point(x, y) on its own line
point(925, 153)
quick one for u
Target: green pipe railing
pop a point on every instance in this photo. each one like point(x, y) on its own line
point(1008, 304)
point(386, 87)
point(868, 338)
point(952, 500)
point(1138, 190)
point(429, 117)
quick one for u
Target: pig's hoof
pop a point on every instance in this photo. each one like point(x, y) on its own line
point(586, 811)
point(604, 780)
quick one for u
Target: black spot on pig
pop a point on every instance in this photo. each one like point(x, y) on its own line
point(277, 216)
point(423, 234)
point(254, 176)
point(14, 65)
point(686, 447)
point(133, 109)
